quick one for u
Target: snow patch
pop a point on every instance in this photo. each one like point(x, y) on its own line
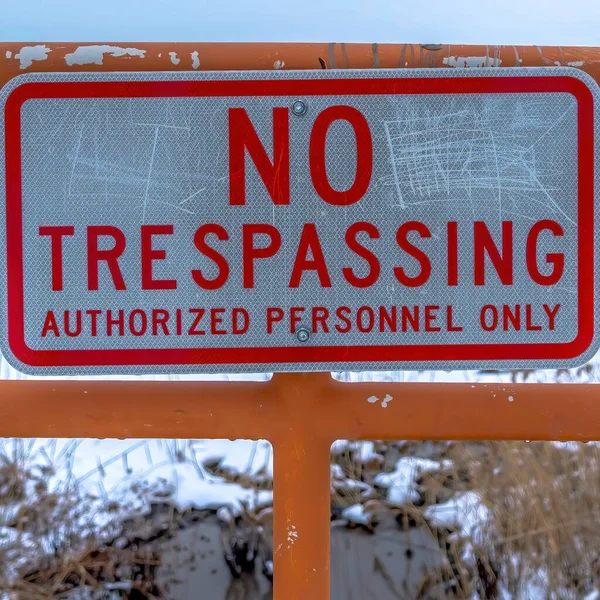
point(242, 456)
point(94, 55)
point(191, 491)
point(465, 512)
point(570, 446)
point(356, 514)
point(401, 482)
point(460, 62)
point(28, 54)
point(364, 451)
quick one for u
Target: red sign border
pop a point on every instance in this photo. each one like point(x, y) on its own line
point(300, 87)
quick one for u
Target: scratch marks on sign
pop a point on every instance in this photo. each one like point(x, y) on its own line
point(191, 196)
point(75, 160)
point(148, 181)
point(143, 168)
point(147, 198)
point(94, 55)
point(28, 54)
point(493, 151)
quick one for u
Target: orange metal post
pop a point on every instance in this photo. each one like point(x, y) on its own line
point(301, 414)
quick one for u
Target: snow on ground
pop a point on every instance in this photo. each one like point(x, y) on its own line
point(192, 491)
point(363, 450)
point(465, 512)
point(400, 483)
point(357, 514)
point(108, 468)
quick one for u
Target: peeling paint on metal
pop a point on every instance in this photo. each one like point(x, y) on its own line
point(384, 402)
point(331, 56)
point(94, 55)
point(576, 63)
point(517, 59)
point(292, 535)
point(174, 58)
point(544, 59)
point(460, 62)
point(403, 54)
point(279, 64)
point(496, 56)
point(375, 50)
point(8, 54)
point(195, 59)
point(344, 55)
point(28, 54)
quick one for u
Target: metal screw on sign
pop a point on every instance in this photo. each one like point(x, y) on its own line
point(303, 335)
point(299, 107)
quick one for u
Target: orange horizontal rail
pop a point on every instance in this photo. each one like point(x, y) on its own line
point(135, 56)
point(301, 414)
point(314, 403)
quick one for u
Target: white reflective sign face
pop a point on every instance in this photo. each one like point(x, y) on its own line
point(325, 220)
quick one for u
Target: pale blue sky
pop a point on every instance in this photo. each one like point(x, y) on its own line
point(547, 22)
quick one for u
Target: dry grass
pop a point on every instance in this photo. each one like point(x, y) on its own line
point(59, 542)
point(541, 531)
point(545, 515)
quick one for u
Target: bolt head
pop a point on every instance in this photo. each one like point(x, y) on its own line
point(303, 335)
point(299, 107)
